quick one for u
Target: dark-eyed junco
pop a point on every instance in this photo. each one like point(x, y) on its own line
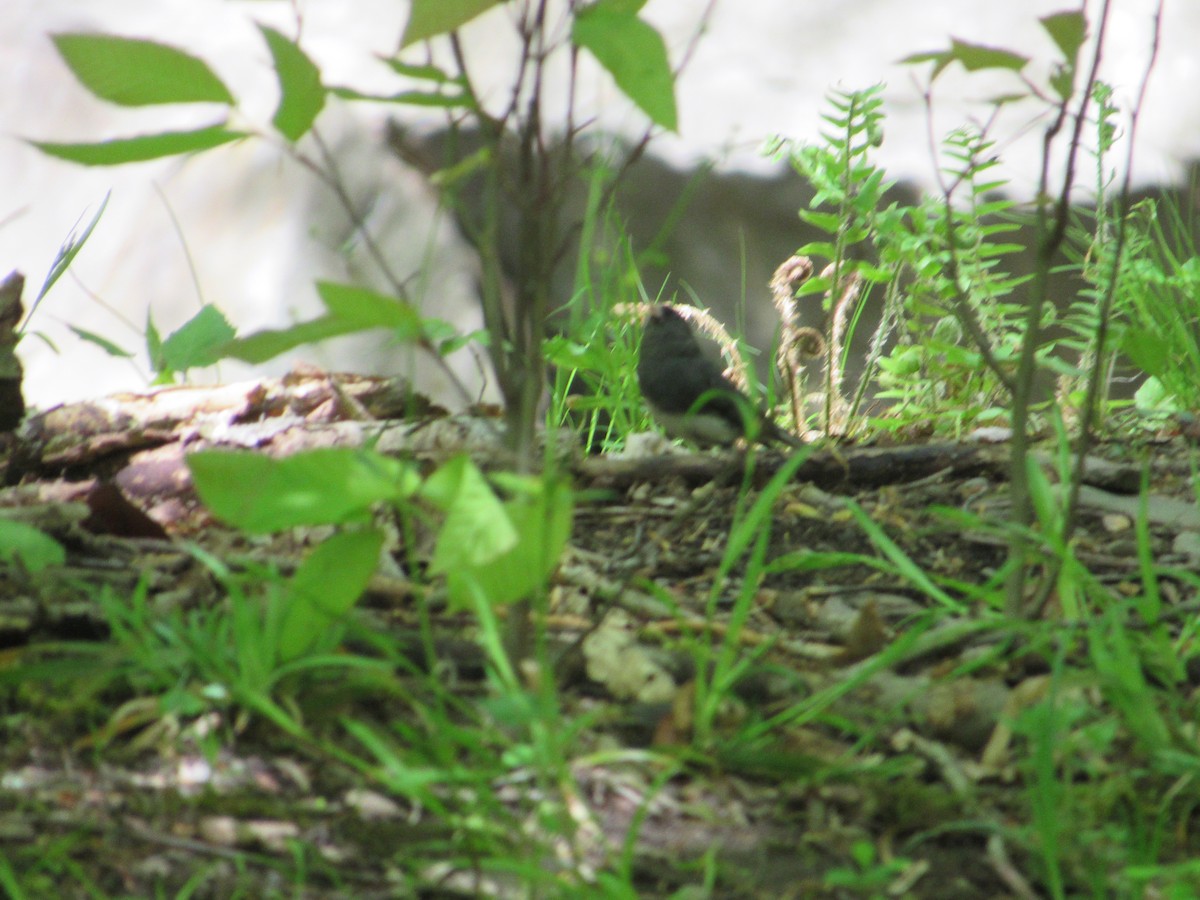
point(686, 392)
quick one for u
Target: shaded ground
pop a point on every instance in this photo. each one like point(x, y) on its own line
point(883, 739)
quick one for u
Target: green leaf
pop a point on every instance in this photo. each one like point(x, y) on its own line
point(330, 486)
point(153, 344)
point(1153, 396)
point(543, 516)
point(429, 18)
point(35, 549)
point(133, 72)
point(1149, 351)
point(104, 344)
point(634, 55)
point(1068, 30)
point(477, 529)
point(270, 343)
point(351, 309)
point(324, 589)
point(140, 149)
point(977, 57)
point(1062, 81)
point(819, 248)
point(539, 515)
point(409, 98)
point(827, 222)
point(940, 57)
point(422, 72)
point(301, 94)
point(362, 308)
point(197, 343)
point(973, 57)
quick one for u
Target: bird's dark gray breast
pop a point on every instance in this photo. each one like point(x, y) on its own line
point(674, 386)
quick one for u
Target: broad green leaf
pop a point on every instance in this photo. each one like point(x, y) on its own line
point(634, 55)
point(827, 222)
point(301, 95)
point(541, 515)
point(35, 549)
point(270, 343)
point(429, 18)
point(330, 486)
point(197, 343)
point(973, 57)
point(140, 149)
point(1062, 81)
point(350, 309)
point(1153, 396)
point(133, 72)
point(364, 308)
point(325, 588)
point(976, 57)
point(1148, 350)
point(1068, 30)
point(818, 248)
point(477, 529)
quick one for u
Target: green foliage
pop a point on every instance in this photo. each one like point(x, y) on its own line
point(1092, 250)
point(119, 151)
point(1116, 659)
point(719, 664)
point(1162, 281)
point(848, 195)
point(1153, 319)
point(634, 54)
point(869, 873)
point(349, 309)
point(430, 18)
point(448, 91)
point(630, 49)
point(846, 182)
point(132, 72)
point(492, 550)
point(972, 57)
point(199, 342)
point(143, 72)
point(1067, 30)
point(937, 263)
point(301, 94)
point(325, 587)
point(594, 389)
point(332, 486)
point(950, 257)
point(29, 547)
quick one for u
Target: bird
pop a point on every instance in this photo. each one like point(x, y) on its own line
point(689, 396)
